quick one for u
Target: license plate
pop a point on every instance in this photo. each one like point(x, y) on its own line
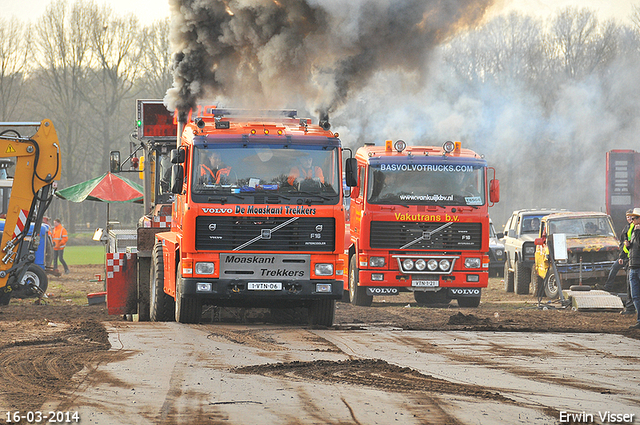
point(425, 283)
point(264, 286)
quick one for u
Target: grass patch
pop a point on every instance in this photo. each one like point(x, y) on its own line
point(83, 255)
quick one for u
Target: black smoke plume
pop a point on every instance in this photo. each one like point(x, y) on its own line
point(316, 53)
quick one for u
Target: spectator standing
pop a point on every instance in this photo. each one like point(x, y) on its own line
point(633, 245)
point(59, 238)
point(622, 262)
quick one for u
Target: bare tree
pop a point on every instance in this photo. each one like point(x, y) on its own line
point(64, 55)
point(117, 45)
point(14, 63)
point(581, 42)
point(157, 76)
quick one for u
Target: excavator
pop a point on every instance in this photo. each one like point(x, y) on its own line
point(37, 167)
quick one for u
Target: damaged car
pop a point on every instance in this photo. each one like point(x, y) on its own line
point(591, 248)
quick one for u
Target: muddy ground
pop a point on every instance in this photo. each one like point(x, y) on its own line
point(42, 345)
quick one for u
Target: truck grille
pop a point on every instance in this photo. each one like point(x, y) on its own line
point(395, 235)
point(265, 234)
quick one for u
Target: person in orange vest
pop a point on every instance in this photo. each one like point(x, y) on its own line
point(216, 172)
point(305, 170)
point(59, 237)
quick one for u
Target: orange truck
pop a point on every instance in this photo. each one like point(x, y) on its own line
point(256, 220)
point(419, 222)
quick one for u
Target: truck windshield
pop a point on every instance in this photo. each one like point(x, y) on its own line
point(417, 184)
point(584, 226)
point(271, 170)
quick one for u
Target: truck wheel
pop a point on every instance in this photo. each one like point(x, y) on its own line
point(161, 304)
point(144, 274)
point(34, 275)
point(508, 278)
point(428, 297)
point(188, 308)
point(537, 286)
point(522, 277)
point(469, 302)
point(551, 286)
point(357, 294)
point(322, 312)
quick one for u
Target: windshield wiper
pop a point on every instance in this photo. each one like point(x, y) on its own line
point(223, 198)
point(315, 194)
point(277, 201)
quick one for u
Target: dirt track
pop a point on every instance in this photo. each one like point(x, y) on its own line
point(43, 346)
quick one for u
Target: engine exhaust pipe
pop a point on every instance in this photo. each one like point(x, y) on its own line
point(324, 120)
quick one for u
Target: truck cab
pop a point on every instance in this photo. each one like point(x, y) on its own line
point(257, 218)
point(419, 222)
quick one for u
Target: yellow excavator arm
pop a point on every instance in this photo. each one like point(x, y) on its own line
point(37, 166)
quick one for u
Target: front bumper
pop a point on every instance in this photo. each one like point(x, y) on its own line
point(394, 278)
point(588, 271)
point(237, 290)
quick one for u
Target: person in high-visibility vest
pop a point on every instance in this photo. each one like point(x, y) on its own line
point(622, 263)
point(59, 238)
point(216, 172)
point(305, 170)
point(633, 245)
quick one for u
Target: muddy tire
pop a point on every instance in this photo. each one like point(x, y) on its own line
point(34, 275)
point(536, 284)
point(508, 278)
point(357, 294)
point(469, 302)
point(144, 274)
point(188, 308)
point(161, 305)
point(522, 276)
point(430, 298)
point(551, 286)
point(322, 312)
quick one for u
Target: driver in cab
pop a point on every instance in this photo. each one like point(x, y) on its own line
point(305, 170)
point(214, 171)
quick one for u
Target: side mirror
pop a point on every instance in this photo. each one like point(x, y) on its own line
point(500, 235)
point(355, 192)
point(177, 178)
point(494, 191)
point(351, 172)
point(114, 162)
point(178, 156)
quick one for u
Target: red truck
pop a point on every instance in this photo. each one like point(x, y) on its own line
point(256, 214)
point(419, 222)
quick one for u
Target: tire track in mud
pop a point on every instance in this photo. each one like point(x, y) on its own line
point(34, 369)
point(490, 362)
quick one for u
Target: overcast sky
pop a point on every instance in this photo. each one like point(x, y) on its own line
point(151, 10)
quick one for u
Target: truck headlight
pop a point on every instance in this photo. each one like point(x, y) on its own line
point(472, 263)
point(444, 265)
point(529, 249)
point(324, 269)
point(432, 264)
point(421, 264)
point(407, 264)
point(205, 268)
point(376, 261)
